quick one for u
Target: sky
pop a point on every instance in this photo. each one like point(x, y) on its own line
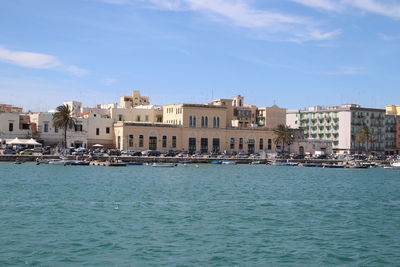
point(293, 53)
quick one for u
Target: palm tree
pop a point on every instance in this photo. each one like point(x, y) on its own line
point(284, 135)
point(363, 136)
point(63, 119)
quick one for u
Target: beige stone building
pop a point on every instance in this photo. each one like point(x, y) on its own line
point(139, 136)
point(135, 100)
point(224, 125)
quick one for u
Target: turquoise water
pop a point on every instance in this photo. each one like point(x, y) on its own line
point(213, 215)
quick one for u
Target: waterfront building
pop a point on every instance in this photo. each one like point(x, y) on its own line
point(13, 124)
point(10, 108)
point(340, 124)
point(393, 110)
point(188, 136)
point(44, 131)
point(135, 100)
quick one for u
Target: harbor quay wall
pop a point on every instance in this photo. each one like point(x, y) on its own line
point(32, 158)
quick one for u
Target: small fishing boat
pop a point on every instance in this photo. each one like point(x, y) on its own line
point(216, 162)
point(135, 163)
point(61, 161)
point(396, 164)
point(312, 165)
point(185, 161)
point(164, 165)
point(80, 163)
point(229, 162)
point(255, 162)
point(107, 164)
point(333, 166)
point(290, 164)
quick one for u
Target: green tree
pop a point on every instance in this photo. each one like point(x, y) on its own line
point(283, 135)
point(363, 136)
point(63, 119)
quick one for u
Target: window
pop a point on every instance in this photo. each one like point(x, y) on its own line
point(206, 122)
point(146, 118)
point(192, 145)
point(240, 143)
point(120, 117)
point(46, 127)
point(119, 142)
point(55, 129)
point(204, 145)
point(164, 141)
point(97, 131)
point(11, 127)
point(194, 121)
point(261, 144)
point(217, 122)
point(138, 118)
point(232, 143)
point(130, 140)
point(173, 141)
point(190, 121)
point(202, 122)
point(215, 145)
point(78, 128)
point(214, 122)
point(250, 146)
point(107, 130)
point(140, 140)
point(269, 144)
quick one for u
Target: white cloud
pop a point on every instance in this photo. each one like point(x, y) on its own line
point(346, 70)
point(320, 4)
point(28, 59)
point(37, 61)
point(263, 24)
point(386, 8)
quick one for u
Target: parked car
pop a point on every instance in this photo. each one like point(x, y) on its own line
point(170, 153)
point(298, 156)
point(9, 152)
point(26, 152)
point(183, 154)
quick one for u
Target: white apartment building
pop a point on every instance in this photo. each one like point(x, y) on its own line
point(340, 124)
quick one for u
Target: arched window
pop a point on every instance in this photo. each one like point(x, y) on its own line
point(206, 122)
point(214, 122)
point(190, 121)
point(202, 121)
point(217, 122)
point(194, 121)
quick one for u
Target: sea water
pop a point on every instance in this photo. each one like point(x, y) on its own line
point(214, 215)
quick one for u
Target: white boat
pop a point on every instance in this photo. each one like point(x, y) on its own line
point(164, 164)
point(396, 164)
point(229, 162)
point(61, 161)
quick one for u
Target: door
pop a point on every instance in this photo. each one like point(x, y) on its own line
point(204, 145)
point(153, 143)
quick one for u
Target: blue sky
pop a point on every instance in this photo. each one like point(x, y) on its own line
point(294, 53)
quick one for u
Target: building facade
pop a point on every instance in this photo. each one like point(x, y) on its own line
point(164, 137)
point(340, 124)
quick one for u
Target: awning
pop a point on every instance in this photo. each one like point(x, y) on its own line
point(97, 145)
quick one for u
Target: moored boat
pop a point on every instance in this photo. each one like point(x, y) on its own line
point(315, 165)
point(164, 165)
point(136, 163)
point(229, 162)
point(80, 163)
point(216, 162)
